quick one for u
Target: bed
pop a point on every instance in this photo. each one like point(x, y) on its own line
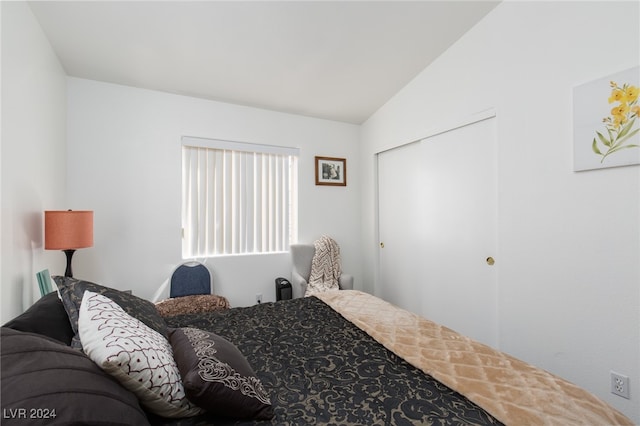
point(342, 358)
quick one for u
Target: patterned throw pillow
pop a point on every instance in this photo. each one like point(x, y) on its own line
point(217, 377)
point(72, 290)
point(139, 357)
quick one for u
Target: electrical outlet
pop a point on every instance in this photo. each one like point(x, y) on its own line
point(258, 297)
point(620, 385)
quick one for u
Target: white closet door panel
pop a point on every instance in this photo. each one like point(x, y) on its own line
point(400, 179)
point(460, 226)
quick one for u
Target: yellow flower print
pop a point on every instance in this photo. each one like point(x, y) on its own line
point(619, 114)
point(617, 95)
point(621, 109)
point(620, 126)
point(631, 94)
point(619, 120)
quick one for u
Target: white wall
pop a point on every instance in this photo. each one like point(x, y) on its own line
point(569, 243)
point(125, 164)
point(33, 153)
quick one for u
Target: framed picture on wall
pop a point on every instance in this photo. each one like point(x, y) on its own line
point(606, 121)
point(331, 171)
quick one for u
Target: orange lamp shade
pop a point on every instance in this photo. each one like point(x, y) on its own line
point(68, 229)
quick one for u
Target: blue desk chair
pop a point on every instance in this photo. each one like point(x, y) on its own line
point(190, 278)
point(190, 292)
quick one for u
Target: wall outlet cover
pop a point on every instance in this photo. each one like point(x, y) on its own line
point(620, 385)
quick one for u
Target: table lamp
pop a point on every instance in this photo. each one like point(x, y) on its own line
point(68, 230)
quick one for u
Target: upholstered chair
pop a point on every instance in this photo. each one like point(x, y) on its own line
point(301, 257)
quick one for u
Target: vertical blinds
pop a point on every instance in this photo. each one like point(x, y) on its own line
point(237, 198)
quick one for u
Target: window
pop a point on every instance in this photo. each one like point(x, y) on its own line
point(237, 198)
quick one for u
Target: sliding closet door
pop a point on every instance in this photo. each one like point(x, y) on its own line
point(446, 266)
point(400, 177)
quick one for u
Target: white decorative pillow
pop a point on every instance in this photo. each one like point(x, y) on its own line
point(138, 356)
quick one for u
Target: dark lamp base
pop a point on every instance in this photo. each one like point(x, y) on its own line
point(68, 272)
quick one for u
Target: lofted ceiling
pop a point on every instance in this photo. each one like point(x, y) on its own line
point(334, 60)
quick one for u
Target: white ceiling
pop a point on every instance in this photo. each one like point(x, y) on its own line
point(335, 60)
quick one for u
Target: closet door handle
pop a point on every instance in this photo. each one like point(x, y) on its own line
point(381, 245)
point(490, 261)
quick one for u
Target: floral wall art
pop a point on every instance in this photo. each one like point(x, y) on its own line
point(606, 120)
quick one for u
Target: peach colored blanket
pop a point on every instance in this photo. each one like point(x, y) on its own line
point(514, 392)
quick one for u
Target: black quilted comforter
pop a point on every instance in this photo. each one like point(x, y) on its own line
point(320, 369)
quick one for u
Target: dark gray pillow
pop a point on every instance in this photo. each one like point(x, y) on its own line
point(45, 382)
point(217, 377)
point(72, 290)
point(47, 317)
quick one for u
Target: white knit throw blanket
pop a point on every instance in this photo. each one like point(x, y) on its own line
point(326, 267)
